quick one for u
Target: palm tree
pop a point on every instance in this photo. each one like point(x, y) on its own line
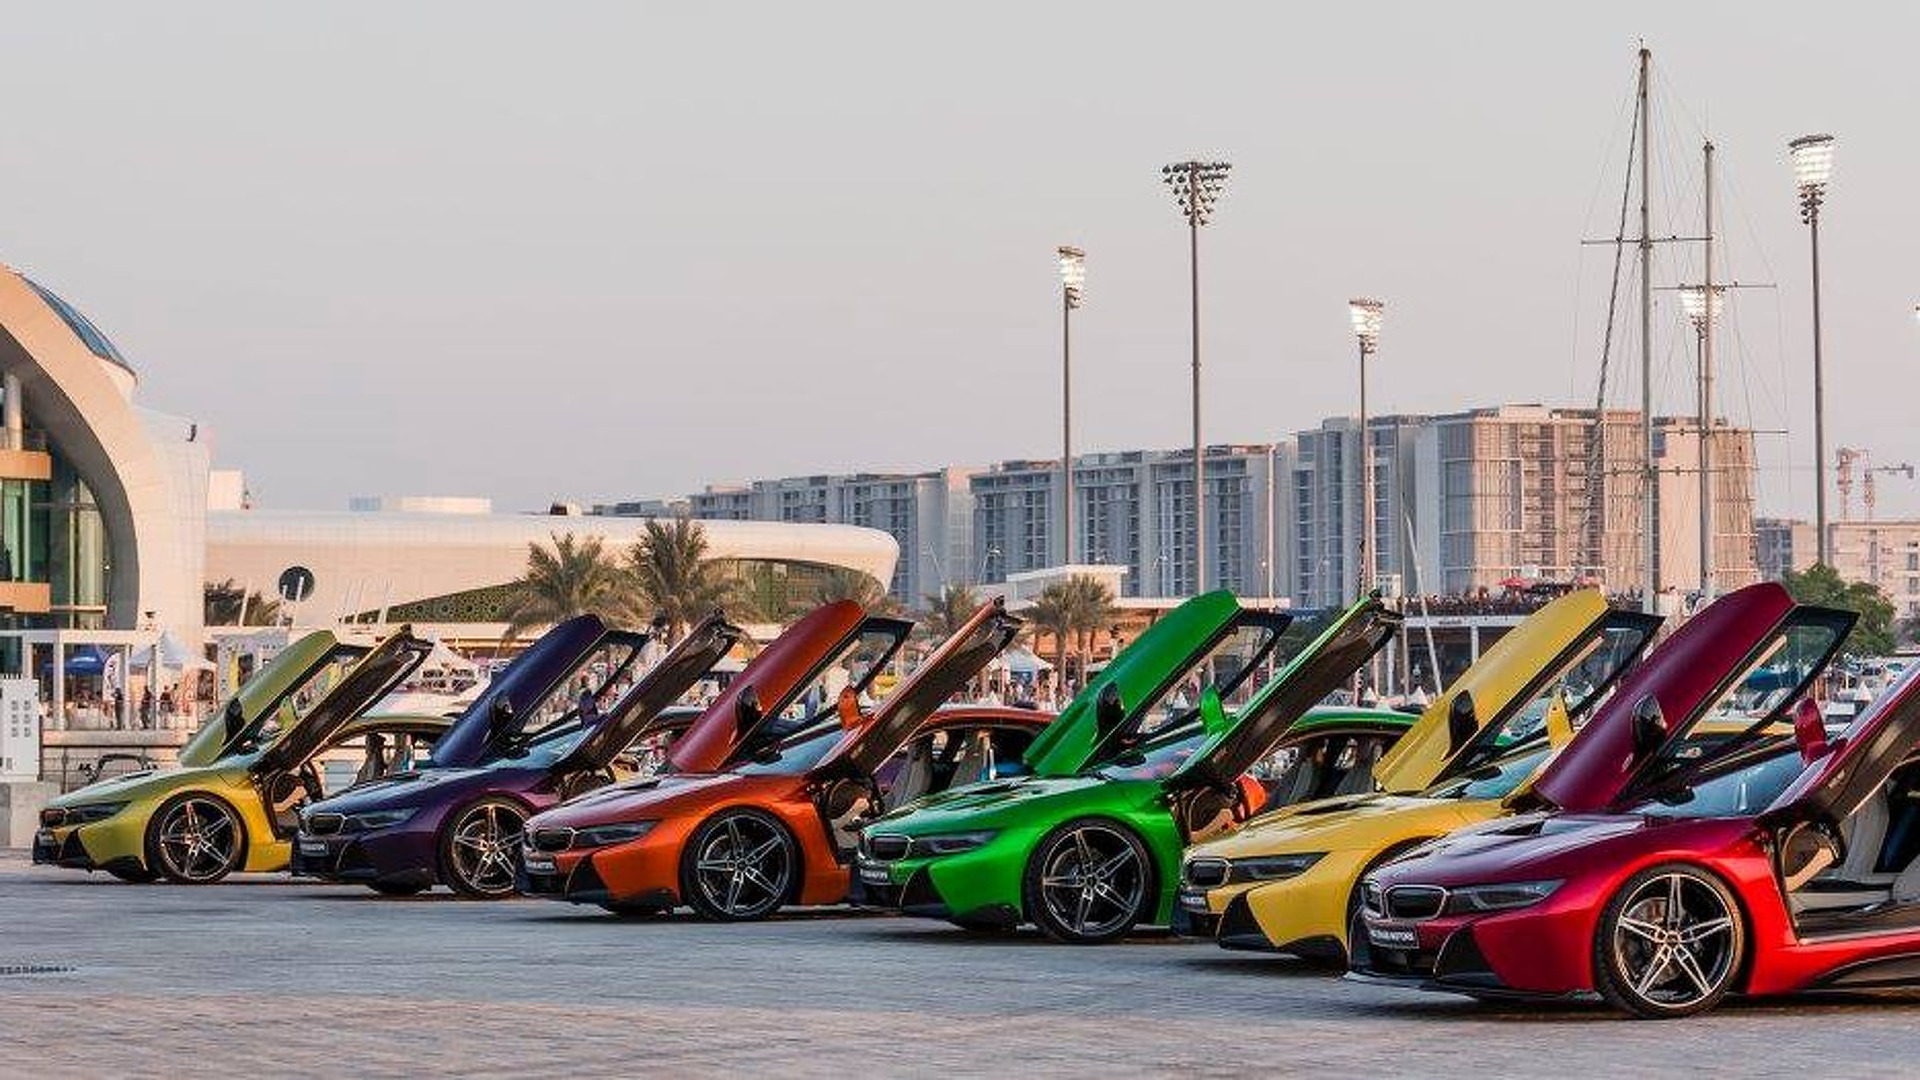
point(1091, 610)
point(1051, 613)
point(948, 610)
point(574, 577)
point(227, 604)
point(858, 586)
point(673, 575)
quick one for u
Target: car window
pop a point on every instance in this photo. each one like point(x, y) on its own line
point(298, 701)
point(1741, 785)
point(1581, 682)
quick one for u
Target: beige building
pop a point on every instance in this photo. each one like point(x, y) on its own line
point(1885, 553)
point(1536, 492)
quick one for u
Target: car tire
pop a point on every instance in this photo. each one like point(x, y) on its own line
point(1069, 905)
point(1671, 942)
point(397, 888)
point(740, 865)
point(195, 839)
point(480, 849)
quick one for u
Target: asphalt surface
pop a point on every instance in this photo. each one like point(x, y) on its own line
point(265, 977)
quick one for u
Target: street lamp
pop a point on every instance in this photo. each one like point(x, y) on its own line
point(1702, 305)
point(1196, 187)
point(1366, 314)
point(1812, 170)
point(1073, 281)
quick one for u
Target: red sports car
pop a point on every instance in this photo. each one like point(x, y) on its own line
point(1702, 835)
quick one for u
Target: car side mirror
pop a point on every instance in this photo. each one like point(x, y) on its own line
point(1213, 714)
point(1108, 711)
point(1810, 731)
point(1559, 722)
point(500, 717)
point(1463, 720)
point(1649, 728)
point(234, 716)
point(746, 710)
point(849, 708)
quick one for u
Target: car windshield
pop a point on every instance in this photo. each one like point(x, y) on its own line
point(859, 664)
point(1237, 666)
point(1155, 761)
point(1580, 683)
point(573, 705)
point(297, 702)
point(1738, 786)
point(795, 754)
point(1494, 780)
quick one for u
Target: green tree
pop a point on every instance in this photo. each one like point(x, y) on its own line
point(947, 610)
point(1051, 613)
point(1090, 609)
point(225, 603)
point(858, 586)
point(674, 577)
point(573, 577)
point(1821, 584)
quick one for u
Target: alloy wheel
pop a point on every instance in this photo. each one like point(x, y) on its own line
point(1093, 882)
point(484, 850)
point(1675, 943)
point(743, 867)
point(198, 841)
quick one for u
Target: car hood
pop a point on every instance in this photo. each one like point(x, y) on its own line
point(635, 800)
point(1358, 823)
point(423, 786)
point(1527, 847)
point(986, 805)
point(134, 786)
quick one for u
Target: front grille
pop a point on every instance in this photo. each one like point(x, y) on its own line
point(1415, 901)
point(1207, 873)
point(552, 839)
point(888, 847)
point(325, 824)
point(52, 816)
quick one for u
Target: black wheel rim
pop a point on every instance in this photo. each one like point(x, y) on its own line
point(742, 867)
point(486, 848)
point(1674, 941)
point(199, 839)
point(1092, 881)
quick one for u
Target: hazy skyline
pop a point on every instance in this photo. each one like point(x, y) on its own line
point(607, 251)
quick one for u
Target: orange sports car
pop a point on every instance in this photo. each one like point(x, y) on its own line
point(766, 792)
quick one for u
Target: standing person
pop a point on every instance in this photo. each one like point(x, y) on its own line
point(146, 706)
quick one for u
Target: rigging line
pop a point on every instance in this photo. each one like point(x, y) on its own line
point(1625, 114)
point(1597, 443)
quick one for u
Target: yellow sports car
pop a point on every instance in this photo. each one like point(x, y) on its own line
point(231, 803)
point(1288, 881)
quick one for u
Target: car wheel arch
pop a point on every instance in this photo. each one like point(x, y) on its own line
point(1668, 861)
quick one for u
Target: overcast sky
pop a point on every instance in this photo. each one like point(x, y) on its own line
point(600, 251)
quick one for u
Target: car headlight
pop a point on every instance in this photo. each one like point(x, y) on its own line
point(91, 812)
point(951, 843)
point(1273, 867)
point(369, 820)
point(1478, 899)
point(618, 832)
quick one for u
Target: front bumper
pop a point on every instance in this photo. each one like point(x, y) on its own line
point(1543, 951)
point(573, 877)
point(50, 848)
point(910, 887)
point(390, 857)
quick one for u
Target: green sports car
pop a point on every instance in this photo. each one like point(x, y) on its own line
point(1149, 757)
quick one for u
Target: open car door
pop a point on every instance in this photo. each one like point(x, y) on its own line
point(1859, 761)
point(1557, 664)
point(515, 692)
point(377, 673)
point(1651, 731)
point(248, 708)
point(1137, 678)
point(1235, 741)
point(704, 646)
point(958, 659)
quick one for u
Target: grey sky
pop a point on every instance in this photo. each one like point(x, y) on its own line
point(612, 250)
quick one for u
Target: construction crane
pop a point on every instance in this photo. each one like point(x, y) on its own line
point(1850, 456)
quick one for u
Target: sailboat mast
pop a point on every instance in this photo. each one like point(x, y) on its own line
point(1649, 488)
point(1707, 297)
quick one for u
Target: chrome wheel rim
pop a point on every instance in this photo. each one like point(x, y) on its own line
point(1092, 881)
point(1674, 941)
point(199, 839)
point(486, 848)
point(742, 867)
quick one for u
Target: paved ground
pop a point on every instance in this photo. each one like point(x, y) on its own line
point(267, 977)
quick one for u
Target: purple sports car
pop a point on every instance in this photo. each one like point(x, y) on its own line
point(568, 715)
